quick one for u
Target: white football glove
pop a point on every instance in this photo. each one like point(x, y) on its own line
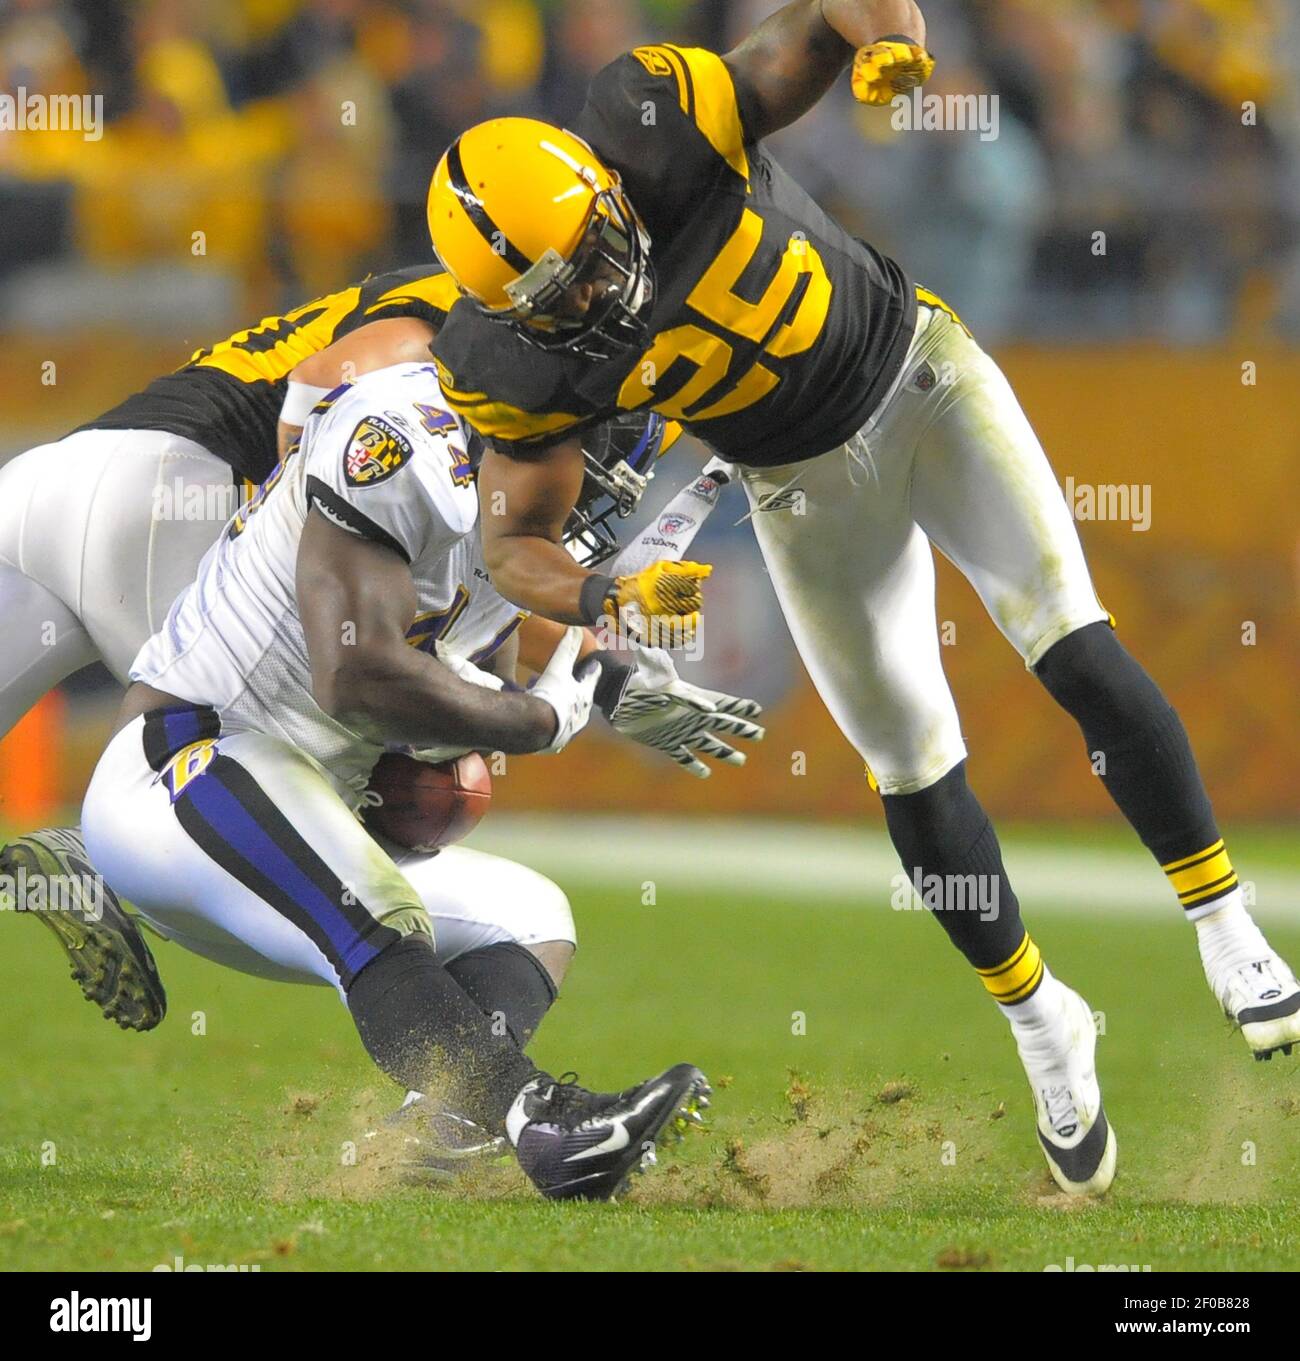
point(466, 670)
point(570, 695)
point(471, 675)
point(658, 709)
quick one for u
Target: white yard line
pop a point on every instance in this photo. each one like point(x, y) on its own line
point(805, 862)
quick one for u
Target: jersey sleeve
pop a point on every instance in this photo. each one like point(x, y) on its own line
point(668, 120)
point(531, 403)
point(392, 471)
point(425, 292)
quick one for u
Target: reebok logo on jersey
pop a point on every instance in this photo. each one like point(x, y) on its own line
point(375, 452)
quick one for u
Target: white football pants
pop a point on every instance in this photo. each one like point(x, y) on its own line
point(244, 850)
point(99, 533)
point(948, 459)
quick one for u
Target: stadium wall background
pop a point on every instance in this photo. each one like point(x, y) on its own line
point(1206, 597)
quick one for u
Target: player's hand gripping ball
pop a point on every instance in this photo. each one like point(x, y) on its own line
point(888, 68)
point(423, 806)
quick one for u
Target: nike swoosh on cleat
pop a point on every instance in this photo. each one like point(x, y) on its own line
point(618, 1137)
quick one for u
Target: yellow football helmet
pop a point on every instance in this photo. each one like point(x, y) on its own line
point(540, 235)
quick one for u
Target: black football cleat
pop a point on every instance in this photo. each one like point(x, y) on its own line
point(110, 960)
point(581, 1145)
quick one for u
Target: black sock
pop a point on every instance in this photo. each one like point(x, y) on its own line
point(943, 831)
point(1135, 738)
point(1140, 749)
point(507, 981)
point(416, 1021)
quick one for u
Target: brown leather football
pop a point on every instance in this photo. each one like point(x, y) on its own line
point(425, 806)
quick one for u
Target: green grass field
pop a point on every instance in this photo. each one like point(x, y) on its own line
point(895, 1133)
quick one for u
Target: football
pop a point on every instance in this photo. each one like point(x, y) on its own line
point(424, 806)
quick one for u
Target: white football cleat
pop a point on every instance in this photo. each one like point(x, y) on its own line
point(1263, 999)
point(1250, 981)
point(1059, 1054)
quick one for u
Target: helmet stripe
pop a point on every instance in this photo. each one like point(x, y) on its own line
point(479, 216)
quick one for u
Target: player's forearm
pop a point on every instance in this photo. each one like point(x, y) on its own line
point(540, 576)
point(408, 698)
point(794, 57)
point(538, 639)
point(860, 22)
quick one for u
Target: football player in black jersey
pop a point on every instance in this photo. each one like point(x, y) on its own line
point(655, 255)
point(101, 530)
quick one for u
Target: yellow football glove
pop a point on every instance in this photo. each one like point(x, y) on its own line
point(890, 67)
point(662, 590)
point(664, 595)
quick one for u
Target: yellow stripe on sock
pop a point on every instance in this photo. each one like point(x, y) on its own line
point(1188, 859)
point(1200, 874)
point(1214, 890)
point(1018, 976)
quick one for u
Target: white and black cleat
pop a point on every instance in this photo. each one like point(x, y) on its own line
point(110, 961)
point(438, 1144)
point(1262, 999)
point(579, 1145)
point(1060, 1061)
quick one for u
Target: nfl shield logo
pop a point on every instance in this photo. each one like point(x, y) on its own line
point(675, 523)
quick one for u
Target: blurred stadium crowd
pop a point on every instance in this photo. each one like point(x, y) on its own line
point(298, 136)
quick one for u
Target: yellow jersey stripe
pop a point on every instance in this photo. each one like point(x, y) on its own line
point(668, 61)
point(438, 290)
point(711, 102)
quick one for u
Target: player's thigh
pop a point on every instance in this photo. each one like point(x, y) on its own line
point(855, 579)
point(114, 523)
point(242, 849)
point(984, 491)
point(42, 644)
point(475, 900)
point(164, 507)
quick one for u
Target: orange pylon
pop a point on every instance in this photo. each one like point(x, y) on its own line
point(31, 760)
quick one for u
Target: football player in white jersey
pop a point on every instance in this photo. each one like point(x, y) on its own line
point(101, 530)
point(225, 804)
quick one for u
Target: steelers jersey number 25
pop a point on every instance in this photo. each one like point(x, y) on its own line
point(733, 344)
point(785, 321)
